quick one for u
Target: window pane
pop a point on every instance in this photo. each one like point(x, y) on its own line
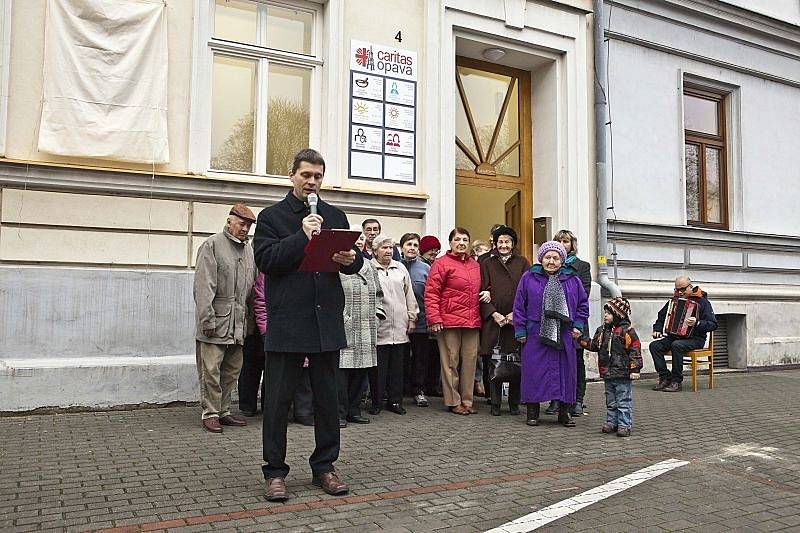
point(691, 153)
point(485, 92)
point(713, 190)
point(700, 115)
point(288, 29)
point(465, 135)
point(235, 20)
point(232, 125)
point(509, 134)
point(287, 115)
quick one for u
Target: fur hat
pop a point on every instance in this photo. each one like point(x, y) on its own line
point(428, 243)
point(620, 307)
point(243, 212)
point(551, 246)
point(505, 230)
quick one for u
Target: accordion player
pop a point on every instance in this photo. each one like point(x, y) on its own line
point(679, 311)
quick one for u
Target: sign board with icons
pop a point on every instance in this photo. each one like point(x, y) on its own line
point(383, 113)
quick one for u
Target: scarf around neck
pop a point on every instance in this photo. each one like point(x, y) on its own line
point(554, 313)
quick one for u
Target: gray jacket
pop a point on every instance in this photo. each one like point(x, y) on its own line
point(363, 306)
point(223, 285)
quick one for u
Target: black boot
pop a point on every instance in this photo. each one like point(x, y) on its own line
point(564, 417)
point(552, 408)
point(495, 410)
point(533, 414)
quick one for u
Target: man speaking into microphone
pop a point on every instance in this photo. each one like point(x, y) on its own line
point(305, 319)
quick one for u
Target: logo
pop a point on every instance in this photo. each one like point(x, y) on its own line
point(394, 113)
point(394, 91)
point(360, 136)
point(360, 108)
point(363, 83)
point(364, 57)
point(393, 139)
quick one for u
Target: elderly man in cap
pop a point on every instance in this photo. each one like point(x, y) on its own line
point(223, 284)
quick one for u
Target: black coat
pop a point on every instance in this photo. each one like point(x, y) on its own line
point(584, 271)
point(304, 309)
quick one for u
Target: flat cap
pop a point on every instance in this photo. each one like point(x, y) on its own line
point(243, 212)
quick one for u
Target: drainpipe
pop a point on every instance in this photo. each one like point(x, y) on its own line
point(601, 150)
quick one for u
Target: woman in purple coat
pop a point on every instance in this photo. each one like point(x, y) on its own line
point(550, 311)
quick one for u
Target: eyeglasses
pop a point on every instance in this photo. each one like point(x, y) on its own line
point(682, 289)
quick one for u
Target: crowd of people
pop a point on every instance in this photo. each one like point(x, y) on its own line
point(402, 319)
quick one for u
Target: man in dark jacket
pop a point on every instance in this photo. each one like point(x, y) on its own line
point(304, 313)
point(703, 322)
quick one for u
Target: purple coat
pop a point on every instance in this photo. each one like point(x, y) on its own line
point(548, 373)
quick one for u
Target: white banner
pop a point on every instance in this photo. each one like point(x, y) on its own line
point(105, 80)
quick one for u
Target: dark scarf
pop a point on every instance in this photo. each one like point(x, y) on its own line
point(554, 313)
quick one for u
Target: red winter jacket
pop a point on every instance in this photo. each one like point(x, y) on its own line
point(451, 292)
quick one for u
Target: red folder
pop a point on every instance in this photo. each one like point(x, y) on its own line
point(321, 247)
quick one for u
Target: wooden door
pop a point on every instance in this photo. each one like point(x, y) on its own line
point(493, 137)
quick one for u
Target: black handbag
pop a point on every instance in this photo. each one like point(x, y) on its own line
point(506, 367)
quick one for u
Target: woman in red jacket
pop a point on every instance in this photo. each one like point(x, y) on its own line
point(453, 310)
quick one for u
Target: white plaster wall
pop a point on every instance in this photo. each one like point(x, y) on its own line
point(785, 10)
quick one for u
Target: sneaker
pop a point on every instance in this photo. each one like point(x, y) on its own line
point(624, 432)
point(576, 409)
point(674, 386)
point(552, 408)
point(421, 400)
point(608, 428)
point(661, 385)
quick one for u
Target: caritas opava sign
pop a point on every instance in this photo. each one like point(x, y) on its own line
point(383, 113)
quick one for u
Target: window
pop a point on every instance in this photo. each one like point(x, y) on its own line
point(264, 62)
point(705, 158)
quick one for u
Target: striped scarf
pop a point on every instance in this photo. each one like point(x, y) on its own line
point(554, 312)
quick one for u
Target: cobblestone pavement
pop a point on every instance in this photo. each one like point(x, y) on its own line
point(154, 469)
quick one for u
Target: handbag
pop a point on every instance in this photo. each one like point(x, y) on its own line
point(506, 367)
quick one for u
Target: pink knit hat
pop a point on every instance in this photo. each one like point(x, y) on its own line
point(551, 246)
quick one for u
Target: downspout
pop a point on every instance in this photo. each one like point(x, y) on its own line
point(601, 150)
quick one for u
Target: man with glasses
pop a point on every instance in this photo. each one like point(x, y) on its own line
point(703, 322)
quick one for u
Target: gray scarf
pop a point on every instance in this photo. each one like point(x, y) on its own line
point(554, 312)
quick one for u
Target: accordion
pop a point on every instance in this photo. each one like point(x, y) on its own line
point(679, 311)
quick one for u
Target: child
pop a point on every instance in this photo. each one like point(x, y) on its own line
point(620, 360)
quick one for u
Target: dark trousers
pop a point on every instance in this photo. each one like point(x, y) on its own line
point(581, 390)
point(434, 379)
point(388, 375)
point(303, 401)
point(283, 372)
point(420, 362)
point(250, 376)
point(487, 373)
point(350, 382)
point(679, 348)
point(496, 392)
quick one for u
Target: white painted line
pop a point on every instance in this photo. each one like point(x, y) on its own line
point(566, 507)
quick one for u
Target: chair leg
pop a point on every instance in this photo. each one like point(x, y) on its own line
point(711, 372)
point(694, 374)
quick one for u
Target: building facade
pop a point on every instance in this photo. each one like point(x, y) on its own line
point(484, 116)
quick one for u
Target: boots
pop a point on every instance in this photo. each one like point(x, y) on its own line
point(552, 408)
point(564, 417)
point(533, 414)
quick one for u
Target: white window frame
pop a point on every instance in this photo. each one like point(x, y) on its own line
point(5, 69)
point(205, 46)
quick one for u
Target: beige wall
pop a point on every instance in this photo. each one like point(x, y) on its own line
point(25, 87)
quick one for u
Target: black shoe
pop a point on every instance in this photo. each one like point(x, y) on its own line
point(661, 385)
point(532, 418)
point(396, 408)
point(304, 421)
point(374, 410)
point(552, 408)
point(564, 418)
point(576, 409)
point(495, 410)
point(248, 413)
point(358, 419)
point(674, 386)
point(342, 423)
point(513, 410)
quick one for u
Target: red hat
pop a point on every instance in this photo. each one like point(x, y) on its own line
point(428, 243)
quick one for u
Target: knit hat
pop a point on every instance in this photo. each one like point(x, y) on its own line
point(551, 246)
point(380, 240)
point(428, 243)
point(619, 306)
point(504, 230)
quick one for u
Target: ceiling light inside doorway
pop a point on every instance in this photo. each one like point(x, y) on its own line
point(494, 54)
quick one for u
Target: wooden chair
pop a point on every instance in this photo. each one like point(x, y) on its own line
point(702, 357)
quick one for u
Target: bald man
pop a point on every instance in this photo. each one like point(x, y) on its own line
point(704, 321)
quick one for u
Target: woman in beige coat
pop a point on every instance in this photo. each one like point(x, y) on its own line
point(401, 310)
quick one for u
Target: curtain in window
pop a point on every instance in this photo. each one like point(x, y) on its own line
point(105, 80)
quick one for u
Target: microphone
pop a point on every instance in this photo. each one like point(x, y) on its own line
point(313, 199)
